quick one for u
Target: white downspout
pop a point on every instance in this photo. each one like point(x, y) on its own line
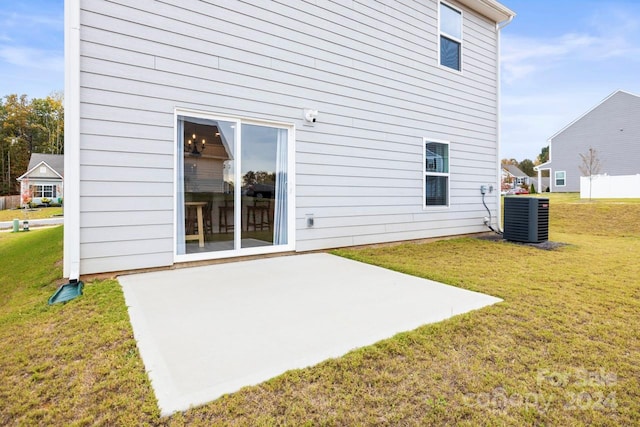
point(499, 27)
point(71, 263)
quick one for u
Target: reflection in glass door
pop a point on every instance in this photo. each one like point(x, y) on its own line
point(213, 214)
point(206, 195)
point(264, 183)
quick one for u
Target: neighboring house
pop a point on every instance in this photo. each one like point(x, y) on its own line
point(612, 128)
point(513, 177)
point(43, 179)
point(368, 122)
point(540, 186)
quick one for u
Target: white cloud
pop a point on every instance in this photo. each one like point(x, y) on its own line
point(523, 57)
point(530, 119)
point(31, 47)
point(25, 21)
point(32, 58)
point(612, 34)
point(522, 48)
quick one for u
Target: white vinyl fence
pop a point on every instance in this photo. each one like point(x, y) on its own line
point(610, 187)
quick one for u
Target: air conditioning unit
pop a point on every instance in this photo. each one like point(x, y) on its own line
point(526, 219)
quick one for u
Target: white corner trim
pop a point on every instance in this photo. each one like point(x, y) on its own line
point(499, 168)
point(71, 263)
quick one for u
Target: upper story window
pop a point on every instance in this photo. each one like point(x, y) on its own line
point(450, 37)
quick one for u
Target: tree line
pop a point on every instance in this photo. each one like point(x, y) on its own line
point(527, 165)
point(28, 126)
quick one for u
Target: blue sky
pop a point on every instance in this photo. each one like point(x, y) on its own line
point(31, 47)
point(560, 58)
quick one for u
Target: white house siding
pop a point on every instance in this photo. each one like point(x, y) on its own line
point(371, 70)
point(612, 128)
point(43, 172)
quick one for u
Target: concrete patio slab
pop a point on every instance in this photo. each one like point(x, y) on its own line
point(207, 331)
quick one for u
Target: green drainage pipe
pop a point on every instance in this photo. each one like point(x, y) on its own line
point(67, 292)
point(16, 225)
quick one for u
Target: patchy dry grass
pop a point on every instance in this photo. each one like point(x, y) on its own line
point(75, 363)
point(562, 349)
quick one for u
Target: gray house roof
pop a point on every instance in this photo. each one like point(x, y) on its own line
point(514, 170)
point(55, 161)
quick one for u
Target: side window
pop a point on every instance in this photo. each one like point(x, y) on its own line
point(560, 178)
point(436, 173)
point(450, 34)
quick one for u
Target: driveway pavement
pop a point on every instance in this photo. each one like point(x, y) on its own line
point(208, 331)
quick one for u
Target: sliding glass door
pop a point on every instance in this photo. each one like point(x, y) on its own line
point(232, 187)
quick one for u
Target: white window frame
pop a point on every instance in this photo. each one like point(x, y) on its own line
point(40, 191)
point(426, 173)
point(555, 179)
point(47, 188)
point(291, 220)
point(36, 191)
point(453, 38)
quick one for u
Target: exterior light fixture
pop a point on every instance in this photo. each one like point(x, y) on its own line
point(310, 116)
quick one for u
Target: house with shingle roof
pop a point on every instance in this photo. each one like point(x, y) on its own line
point(43, 182)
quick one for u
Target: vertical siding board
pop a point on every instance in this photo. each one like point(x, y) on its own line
point(371, 70)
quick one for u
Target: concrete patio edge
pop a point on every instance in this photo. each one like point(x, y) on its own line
point(207, 331)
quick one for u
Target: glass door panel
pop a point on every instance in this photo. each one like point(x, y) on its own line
point(264, 186)
point(206, 194)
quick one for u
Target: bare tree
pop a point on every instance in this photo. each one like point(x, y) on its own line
point(590, 166)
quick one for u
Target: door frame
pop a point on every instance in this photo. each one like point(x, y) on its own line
point(291, 197)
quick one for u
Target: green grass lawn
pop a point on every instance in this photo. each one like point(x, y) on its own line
point(562, 349)
point(22, 214)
